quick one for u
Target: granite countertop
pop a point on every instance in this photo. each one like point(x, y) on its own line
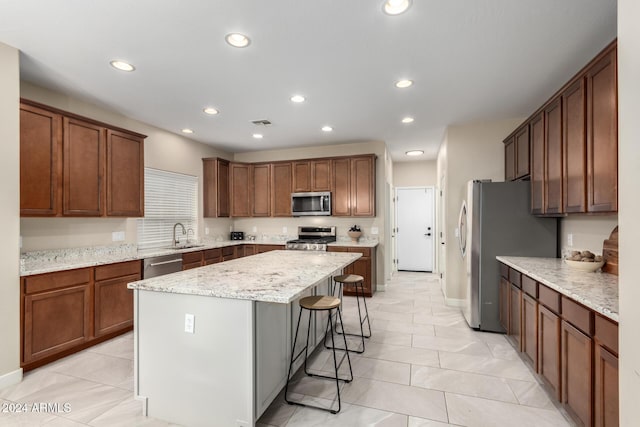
point(276, 276)
point(597, 291)
point(49, 261)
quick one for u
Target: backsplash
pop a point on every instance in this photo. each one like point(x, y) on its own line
point(588, 232)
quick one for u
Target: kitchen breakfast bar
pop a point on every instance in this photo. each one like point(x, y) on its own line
point(212, 344)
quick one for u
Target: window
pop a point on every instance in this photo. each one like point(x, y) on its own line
point(169, 198)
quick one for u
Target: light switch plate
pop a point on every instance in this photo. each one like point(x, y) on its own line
point(569, 239)
point(206, 230)
point(117, 236)
point(189, 323)
point(284, 230)
point(374, 230)
point(254, 230)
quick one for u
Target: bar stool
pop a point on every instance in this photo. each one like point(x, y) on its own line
point(313, 304)
point(358, 282)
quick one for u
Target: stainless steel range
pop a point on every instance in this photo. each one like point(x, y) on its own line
point(313, 239)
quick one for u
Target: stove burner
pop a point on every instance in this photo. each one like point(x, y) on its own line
point(312, 239)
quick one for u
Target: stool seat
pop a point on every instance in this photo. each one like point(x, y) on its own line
point(320, 302)
point(349, 278)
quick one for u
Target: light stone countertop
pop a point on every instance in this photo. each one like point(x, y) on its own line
point(276, 276)
point(49, 261)
point(360, 244)
point(597, 291)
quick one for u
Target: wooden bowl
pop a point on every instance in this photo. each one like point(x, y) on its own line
point(585, 266)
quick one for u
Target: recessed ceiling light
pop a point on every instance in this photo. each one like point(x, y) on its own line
point(327, 128)
point(237, 40)
point(404, 83)
point(414, 153)
point(407, 120)
point(187, 130)
point(211, 111)
point(297, 98)
point(121, 65)
point(257, 135)
point(396, 7)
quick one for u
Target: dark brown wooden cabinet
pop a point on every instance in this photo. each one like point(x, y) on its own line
point(215, 187)
point(125, 174)
point(268, 248)
point(364, 266)
point(260, 190)
point(341, 187)
point(40, 161)
point(113, 302)
point(281, 189)
point(574, 176)
point(212, 256)
point(606, 399)
point(602, 134)
point(510, 159)
point(250, 250)
point(549, 349)
point(529, 337)
point(537, 132)
point(192, 260)
point(577, 365)
point(522, 152)
point(301, 176)
point(504, 303)
point(312, 175)
point(75, 166)
point(515, 313)
point(240, 177)
point(353, 186)
point(553, 158)
point(83, 168)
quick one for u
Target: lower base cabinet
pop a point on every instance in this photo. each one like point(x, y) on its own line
point(606, 388)
point(549, 349)
point(529, 343)
point(515, 312)
point(504, 303)
point(577, 365)
point(364, 266)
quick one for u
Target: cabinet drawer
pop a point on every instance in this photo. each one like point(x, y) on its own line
point(530, 286)
point(366, 252)
point(117, 270)
point(228, 251)
point(191, 257)
point(212, 253)
point(515, 277)
point(338, 249)
point(607, 333)
point(504, 271)
point(549, 298)
point(577, 315)
point(62, 279)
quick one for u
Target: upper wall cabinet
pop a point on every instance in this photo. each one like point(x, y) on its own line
point(353, 186)
point(312, 175)
point(239, 178)
point(216, 187)
point(516, 154)
point(260, 188)
point(281, 189)
point(74, 166)
point(574, 144)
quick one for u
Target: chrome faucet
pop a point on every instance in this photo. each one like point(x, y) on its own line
point(184, 231)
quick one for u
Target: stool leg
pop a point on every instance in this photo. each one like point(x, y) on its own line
point(360, 315)
point(366, 311)
point(344, 338)
point(335, 365)
point(306, 348)
point(293, 358)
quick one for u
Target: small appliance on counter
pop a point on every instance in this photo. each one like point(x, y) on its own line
point(237, 235)
point(312, 239)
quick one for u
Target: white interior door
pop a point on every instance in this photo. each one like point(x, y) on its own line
point(415, 231)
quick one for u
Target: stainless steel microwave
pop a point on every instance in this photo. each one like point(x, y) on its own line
point(310, 204)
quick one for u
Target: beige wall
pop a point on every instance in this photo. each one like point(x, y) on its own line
point(473, 151)
point(628, 179)
point(10, 371)
point(383, 172)
point(163, 150)
point(589, 232)
point(415, 174)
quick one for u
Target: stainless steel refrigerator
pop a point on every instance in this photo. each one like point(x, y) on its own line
point(494, 220)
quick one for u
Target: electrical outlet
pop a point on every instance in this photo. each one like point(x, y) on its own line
point(374, 230)
point(254, 229)
point(117, 236)
point(284, 230)
point(569, 239)
point(206, 230)
point(189, 323)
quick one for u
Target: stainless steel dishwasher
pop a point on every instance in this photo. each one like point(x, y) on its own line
point(160, 265)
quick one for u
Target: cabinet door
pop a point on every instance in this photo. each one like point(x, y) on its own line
point(192, 260)
point(83, 168)
point(606, 388)
point(510, 160)
point(553, 157)
point(281, 189)
point(537, 164)
point(515, 311)
point(125, 174)
point(249, 250)
point(522, 152)
point(240, 178)
point(530, 330)
point(504, 303)
point(577, 364)
point(222, 188)
point(301, 176)
point(362, 267)
point(215, 177)
point(363, 186)
point(40, 162)
point(56, 320)
point(261, 190)
point(341, 187)
point(321, 175)
point(549, 349)
point(574, 148)
point(113, 305)
point(602, 136)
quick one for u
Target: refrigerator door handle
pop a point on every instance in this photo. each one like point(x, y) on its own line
point(462, 229)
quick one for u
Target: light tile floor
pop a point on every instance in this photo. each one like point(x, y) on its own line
point(423, 367)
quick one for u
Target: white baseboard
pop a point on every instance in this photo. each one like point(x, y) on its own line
point(145, 402)
point(454, 302)
point(10, 378)
point(381, 288)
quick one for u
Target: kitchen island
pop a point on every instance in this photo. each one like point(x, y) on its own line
point(212, 344)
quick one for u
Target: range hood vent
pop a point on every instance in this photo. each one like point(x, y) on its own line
point(263, 122)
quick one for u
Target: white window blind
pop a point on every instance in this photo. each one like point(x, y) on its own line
point(169, 198)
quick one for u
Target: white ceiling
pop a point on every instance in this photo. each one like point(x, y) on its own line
point(471, 60)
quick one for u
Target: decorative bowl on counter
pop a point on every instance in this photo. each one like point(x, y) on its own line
point(585, 266)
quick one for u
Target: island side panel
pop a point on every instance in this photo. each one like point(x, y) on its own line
point(200, 379)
